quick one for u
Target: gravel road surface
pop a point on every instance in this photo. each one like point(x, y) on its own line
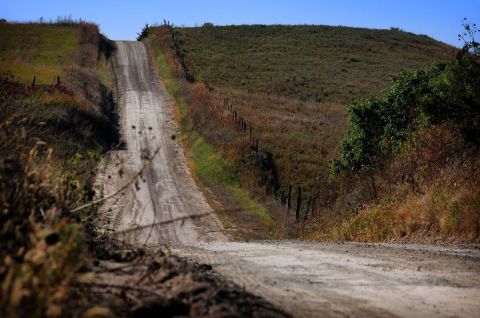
point(165, 191)
point(314, 279)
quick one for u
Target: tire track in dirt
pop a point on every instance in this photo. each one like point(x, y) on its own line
point(165, 191)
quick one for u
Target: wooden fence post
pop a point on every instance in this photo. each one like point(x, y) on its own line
point(289, 198)
point(263, 174)
point(33, 82)
point(58, 80)
point(309, 206)
point(299, 204)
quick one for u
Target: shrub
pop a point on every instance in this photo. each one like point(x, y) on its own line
point(207, 25)
point(379, 126)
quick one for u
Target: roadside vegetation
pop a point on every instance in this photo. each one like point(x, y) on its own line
point(51, 138)
point(417, 145)
point(400, 166)
point(210, 168)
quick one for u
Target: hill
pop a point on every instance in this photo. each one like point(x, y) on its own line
point(47, 50)
point(291, 85)
point(309, 63)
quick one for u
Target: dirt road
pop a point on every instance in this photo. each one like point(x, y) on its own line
point(307, 279)
point(165, 190)
point(312, 279)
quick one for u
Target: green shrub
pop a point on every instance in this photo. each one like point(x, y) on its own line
point(380, 126)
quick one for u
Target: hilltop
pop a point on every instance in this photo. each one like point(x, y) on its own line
point(309, 63)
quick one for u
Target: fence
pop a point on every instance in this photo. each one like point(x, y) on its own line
point(34, 84)
point(264, 158)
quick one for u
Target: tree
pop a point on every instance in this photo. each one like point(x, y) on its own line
point(144, 33)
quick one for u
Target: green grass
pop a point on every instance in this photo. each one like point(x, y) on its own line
point(305, 62)
point(36, 49)
point(210, 165)
point(212, 170)
point(103, 71)
point(253, 208)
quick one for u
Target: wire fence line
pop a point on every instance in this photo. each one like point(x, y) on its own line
point(264, 158)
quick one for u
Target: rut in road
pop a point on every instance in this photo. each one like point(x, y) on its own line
point(165, 191)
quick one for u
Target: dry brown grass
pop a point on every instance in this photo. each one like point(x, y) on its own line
point(427, 194)
point(50, 141)
point(40, 250)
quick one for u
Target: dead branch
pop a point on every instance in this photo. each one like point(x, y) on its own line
point(123, 287)
point(182, 218)
point(111, 195)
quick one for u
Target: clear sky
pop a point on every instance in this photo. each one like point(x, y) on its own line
point(119, 19)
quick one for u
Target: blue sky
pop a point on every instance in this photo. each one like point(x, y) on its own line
point(119, 19)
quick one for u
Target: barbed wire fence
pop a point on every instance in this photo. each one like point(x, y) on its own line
point(263, 157)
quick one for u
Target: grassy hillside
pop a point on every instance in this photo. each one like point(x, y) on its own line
point(292, 85)
point(317, 63)
point(43, 50)
point(413, 152)
point(50, 140)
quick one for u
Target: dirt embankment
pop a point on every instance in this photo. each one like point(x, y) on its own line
point(127, 281)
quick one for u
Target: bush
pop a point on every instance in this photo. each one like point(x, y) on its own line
point(207, 25)
point(380, 126)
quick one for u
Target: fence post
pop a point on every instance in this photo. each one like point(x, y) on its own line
point(263, 174)
point(58, 80)
point(289, 198)
point(299, 204)
point(33, 82)
point(309, 206)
